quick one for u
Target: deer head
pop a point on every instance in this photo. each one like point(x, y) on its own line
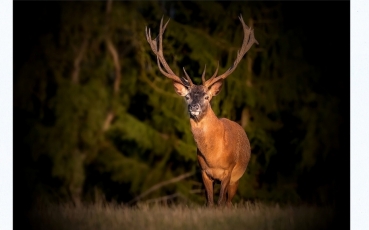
point(197, 96)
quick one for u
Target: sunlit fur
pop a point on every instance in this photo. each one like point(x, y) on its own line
point(223, 149)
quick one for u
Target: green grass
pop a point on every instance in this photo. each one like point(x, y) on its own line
point(241, 216)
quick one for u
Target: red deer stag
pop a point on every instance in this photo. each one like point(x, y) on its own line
point(223, 149)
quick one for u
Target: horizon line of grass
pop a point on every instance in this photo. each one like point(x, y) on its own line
point(245, 215)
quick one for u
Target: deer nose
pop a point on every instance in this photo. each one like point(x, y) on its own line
point(194, 107)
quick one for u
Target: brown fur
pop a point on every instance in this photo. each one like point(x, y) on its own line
point(223, 152)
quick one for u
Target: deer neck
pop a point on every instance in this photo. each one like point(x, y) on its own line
point(206, 131)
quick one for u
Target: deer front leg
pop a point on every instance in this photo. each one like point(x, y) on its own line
point(208, 182)
point(223, 189)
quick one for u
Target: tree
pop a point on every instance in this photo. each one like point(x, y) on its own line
point(101, 119)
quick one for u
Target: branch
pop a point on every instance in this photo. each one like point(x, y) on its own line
point(108, 6)
point(77, 61)
point(108, 120)
point(161, 184)
point(114, 53)
point(115, 56)
point(156, 88)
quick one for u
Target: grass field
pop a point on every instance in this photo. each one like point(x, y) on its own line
point(241, 216)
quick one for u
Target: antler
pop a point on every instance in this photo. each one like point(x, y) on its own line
point(248, 41)
point(157, 48)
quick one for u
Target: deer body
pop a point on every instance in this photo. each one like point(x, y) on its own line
point(223, 153)
point(226, 152)
point(223, 149)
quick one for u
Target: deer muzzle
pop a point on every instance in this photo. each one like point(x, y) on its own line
point(194, 109)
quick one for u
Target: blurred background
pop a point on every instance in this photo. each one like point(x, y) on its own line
point(94, 119)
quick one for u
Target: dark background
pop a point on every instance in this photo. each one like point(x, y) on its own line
point(321, 30)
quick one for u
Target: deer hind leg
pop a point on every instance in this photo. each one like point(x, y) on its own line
point(224, 189)
point(208, 182)
point(232, 188)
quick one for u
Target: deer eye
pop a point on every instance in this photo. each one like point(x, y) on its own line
point(206, 97)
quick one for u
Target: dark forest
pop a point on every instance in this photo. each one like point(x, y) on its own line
point(94, 117)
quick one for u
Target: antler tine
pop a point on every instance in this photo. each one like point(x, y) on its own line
point(157, 48)
point(160, 36)
point(168, 75)
point(248, 41)
point(188, 79)
point(206, 83)
point(203, 75)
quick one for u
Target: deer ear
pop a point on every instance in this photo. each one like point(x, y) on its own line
point(215, 88)
point(180, 89)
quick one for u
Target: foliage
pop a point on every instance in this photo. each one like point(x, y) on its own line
point(65, 96)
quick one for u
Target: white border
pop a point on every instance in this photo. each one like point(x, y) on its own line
point(359, 115)
point(6, 114)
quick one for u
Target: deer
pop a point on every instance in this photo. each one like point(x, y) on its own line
point(223, 148)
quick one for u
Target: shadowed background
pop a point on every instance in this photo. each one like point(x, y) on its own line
point(95, 119)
